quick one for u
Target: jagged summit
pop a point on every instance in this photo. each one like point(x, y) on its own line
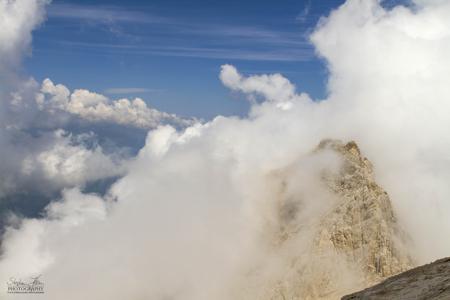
point(357, 240)
point(362, 225)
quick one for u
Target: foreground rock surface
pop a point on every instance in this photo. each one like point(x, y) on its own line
point(430, 281)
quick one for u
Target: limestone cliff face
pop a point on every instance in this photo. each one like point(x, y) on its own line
point(357, 240)
point(362, 224)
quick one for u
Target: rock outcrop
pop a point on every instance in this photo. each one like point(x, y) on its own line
point(362, 224)
point(357, 241)
point(428, 282)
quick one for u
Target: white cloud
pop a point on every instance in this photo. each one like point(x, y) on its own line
point(195, 216)
point(203, 205)
point(68, 162)
point(28, 252)
point(39, 156)
point(95, 107)
point(17, 19)
point(273, 87)
point(389, 89)
point(53, 161)
point(37, 162)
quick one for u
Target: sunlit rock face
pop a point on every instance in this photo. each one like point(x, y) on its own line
point(357, 240)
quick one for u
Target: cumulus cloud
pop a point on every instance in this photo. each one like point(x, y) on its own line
point(196, 214)
point(96, 107)
point(36, 120)
point(33, 161)
point(17, 20)
point(53, 161)
point(68, 161)
point(274, 88)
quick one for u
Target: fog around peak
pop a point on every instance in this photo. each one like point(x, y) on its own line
point(193, 213)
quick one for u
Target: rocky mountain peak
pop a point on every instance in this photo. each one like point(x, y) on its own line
point(357, 240)
point(362, 224)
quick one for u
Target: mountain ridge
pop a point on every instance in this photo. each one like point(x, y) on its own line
point(430, 281)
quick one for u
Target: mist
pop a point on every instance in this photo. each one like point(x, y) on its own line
point(196, 215)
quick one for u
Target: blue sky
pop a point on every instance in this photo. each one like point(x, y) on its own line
point(169, 52)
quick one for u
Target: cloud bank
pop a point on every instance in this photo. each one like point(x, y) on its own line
point(94, 107)
point(196, 213)
point(37, 162)
point(47, 138)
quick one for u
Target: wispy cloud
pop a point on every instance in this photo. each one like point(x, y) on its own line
point(238, 54)
point(264, 54)
point(243, 33)
point(165, 36)
point(115, 14)
point(101, 14)
point(303, 15)
point(129, 90)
